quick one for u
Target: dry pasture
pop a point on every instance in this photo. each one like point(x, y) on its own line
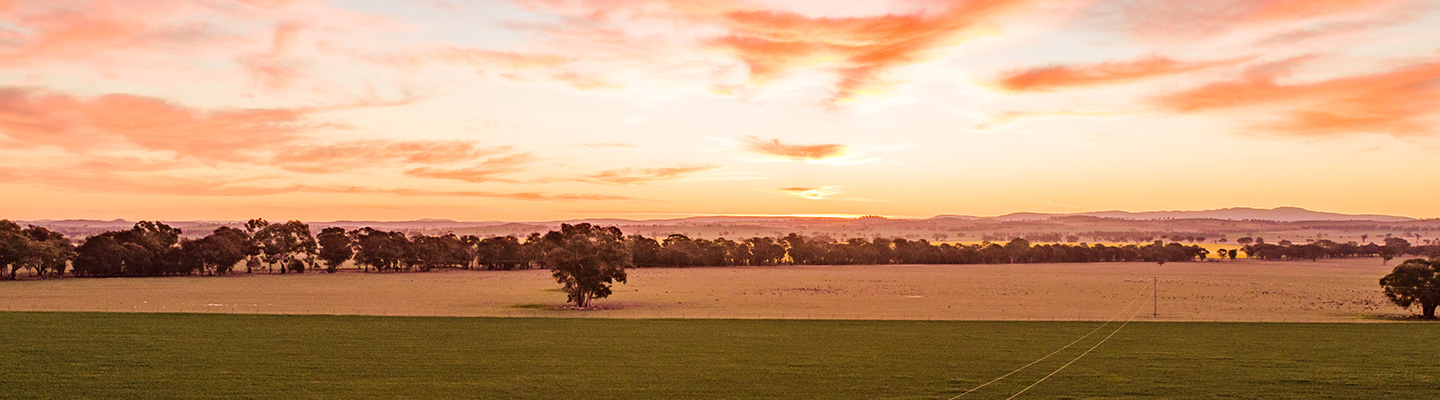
point(1244, 290)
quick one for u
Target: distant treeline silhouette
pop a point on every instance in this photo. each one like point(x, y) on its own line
point(156, 249)
point(1285, 250)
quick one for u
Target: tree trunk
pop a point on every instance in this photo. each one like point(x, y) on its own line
point(582, 299)
point(1428, 309)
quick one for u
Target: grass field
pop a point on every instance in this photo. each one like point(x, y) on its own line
point(129, 355)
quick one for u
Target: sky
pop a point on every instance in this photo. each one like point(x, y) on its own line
point(559, 109)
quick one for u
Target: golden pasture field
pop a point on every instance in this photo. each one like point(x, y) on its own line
point(1241, 290)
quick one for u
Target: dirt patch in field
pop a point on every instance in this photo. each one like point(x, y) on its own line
point(1334, 290)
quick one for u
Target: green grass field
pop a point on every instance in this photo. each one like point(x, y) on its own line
point(117, 355)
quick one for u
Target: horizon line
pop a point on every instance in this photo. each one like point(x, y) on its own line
point(837, 216)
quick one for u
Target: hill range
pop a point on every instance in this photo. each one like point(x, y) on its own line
point(1100, 226)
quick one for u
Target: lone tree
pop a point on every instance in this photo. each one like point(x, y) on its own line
point(1415, 281)
point(586, 259)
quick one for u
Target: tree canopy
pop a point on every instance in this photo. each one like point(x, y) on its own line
point(1415, 282)
point(586, 260)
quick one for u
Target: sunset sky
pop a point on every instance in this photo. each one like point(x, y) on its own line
point(557, 109)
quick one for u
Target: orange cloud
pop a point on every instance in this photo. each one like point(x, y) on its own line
point(634, 176)
point(1324, 31)
point(81, 125)
point(1166, 19)
point(480, 59)
point(340, 157)
point(1066, 76)
point(1399, 102)
point(95, 129)
point(469, 193)
point(271, 3)
point(272, 70)
point(1287, 10)
point(101, 181)
point(271, 73)
point(488, 170)
point(860, 51)
point(795, 152)
point(70, 30)
point(168, 41)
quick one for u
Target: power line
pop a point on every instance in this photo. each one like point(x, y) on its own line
point(1057, 351)
point(1077, 358)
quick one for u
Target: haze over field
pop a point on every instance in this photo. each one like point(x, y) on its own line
point(543, 110)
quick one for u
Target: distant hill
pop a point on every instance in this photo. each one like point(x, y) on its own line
point(1280, 214)
point(1240, 221)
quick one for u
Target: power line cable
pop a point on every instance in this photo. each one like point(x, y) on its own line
point(1057, 351)
point(1077, 358)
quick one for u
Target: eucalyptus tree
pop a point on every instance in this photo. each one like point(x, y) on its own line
point(336, 247)
point(282, 243)
point(586, 260)
point(1415, 282)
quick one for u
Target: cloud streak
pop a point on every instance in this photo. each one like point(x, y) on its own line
point(108, 122)
point(1398, 102)
point(636, 176)
point(491, 169)
point(794, 152)
point(860, 52)
point(1172, 19)
point(105, 182)
point(193, 142)
point(1056, 77)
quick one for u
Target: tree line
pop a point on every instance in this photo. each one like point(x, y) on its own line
point(1325, 248)
point(152, 248)
point(586, 259)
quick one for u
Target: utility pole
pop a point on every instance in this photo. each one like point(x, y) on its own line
point(1155, 298)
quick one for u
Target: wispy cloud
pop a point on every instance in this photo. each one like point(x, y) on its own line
point(179, 149)
point(635, 176)
point(491, 169)
point(608, 145)
point(346, 156)
point(771, 42)
point(119, 121)
point(1181, 19)
point(1399, 102)
point(1066, 76)
point(794, 152)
